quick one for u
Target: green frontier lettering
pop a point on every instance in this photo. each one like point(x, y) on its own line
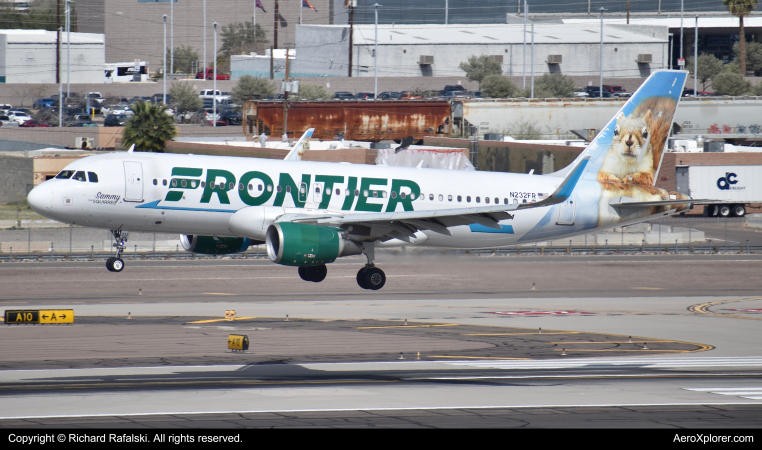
point(349, 199)
point(329, 181)
point(182, 183)
point(288, 185)
point(407, 202)
point(366, 192)
point(244, 194)
point(212, 188)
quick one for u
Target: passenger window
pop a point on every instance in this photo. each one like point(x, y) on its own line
point(240, 186)
point(230, 186)
point(357, 192)
point(383, 194)
point(93, 177)
point(441, 197)
point(65, 174)
point(460, 199)
point(431, 197)
point(468, 199)
point(317, 189)
point(164, 182)
point(486, 200)
point(184, 183)
point(80, 176)
point(155, 182)
point(203, 183)
point(394, 194)
point(288, 189)
point(365, 193)
point(478, 200)
point(449, 198)
point(338, 191)
point(279, 188)
point(251, 187)
point(402, 195)
point(174, 183)
point(505, 200)
point(422, 197)
point(375, 193)
point(270, 188)
point(262, 187)
point(193, 184)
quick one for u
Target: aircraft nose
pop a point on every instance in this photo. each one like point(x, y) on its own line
point(40, 199)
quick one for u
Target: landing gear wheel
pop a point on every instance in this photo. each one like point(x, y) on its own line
point(317, 273)
point(739, 210)
point(374, 278)
point(724, 211)
point(361, 278)
point(110, 264)
point(117, 265)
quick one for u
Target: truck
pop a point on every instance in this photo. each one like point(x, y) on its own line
point(725, 191)
point(210, 75)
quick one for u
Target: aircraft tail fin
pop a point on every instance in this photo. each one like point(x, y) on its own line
point(641, 127)
point(297, 152)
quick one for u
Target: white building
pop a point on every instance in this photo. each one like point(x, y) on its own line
point(438, 50)
point(29, 56)
point(259, 65)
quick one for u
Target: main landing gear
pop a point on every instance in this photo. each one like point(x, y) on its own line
point(116, 264)
point(370, 276)
point(315, 274)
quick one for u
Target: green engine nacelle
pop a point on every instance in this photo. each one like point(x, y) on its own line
point(298, 244)
point(210, 245)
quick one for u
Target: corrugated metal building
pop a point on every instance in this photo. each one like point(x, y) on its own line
point(438, 50)
point(29, 56)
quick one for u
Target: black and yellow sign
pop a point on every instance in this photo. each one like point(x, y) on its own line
point(238, 342)
point(43, 316)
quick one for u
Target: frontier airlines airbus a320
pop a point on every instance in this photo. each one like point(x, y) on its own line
point(310, 213)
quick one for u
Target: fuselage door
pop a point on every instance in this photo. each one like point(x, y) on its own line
point(133, 181)
point(318, 192)
point(567, 211)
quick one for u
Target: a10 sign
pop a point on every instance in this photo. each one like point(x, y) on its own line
point(43, 316)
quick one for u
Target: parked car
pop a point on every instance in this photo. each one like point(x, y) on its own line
point(595, 92)
point(157, 99)
point(454, 87)
point(213, 94)
point(405, 95)
point(116, 109)
point(19, 116)
point(343, 96)
point(116, 120)
point(6, 121)
point(210, 75)
point(389, 95)
point(33, 124)
point(231, 116)
point(364, 96)
point(44, 102)
point(616, 91)
point(140, 98)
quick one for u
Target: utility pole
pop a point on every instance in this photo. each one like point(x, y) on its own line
point(172, 37)
point(68, 49)
point(600, 93)
point(351, 34)
point(206, 61)
point(214, 103)
point(285, 98)
point(164, 102)
point(532, 62)
point(272, 62)
point(375, 57)
point(58, 41)
point(275, 26)
point(524, 80)
point(695, 59)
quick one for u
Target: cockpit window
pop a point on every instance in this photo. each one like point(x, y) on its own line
point(93, 177)
point(65, 174)
point(79, 176)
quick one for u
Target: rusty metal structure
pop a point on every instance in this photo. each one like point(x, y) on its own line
point(355, 120)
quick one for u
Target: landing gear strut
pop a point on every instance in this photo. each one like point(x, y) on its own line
point(315, 274)
point(116, 264)
point(370, 276)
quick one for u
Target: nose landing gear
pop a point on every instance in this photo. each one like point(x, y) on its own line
point(116, 264)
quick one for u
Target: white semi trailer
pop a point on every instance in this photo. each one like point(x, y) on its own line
point(725, 191)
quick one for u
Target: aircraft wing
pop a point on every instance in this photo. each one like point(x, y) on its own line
point(403, 224)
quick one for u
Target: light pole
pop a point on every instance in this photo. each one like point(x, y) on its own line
point(375, 56)
point(205, 61)
point(68, 49)
point(214, 110)
point(695, 59)
point(172, 35)
point(524, 82)
point(681, 37)
point(531, 64)
point(600, 93)
point(165, 59)
point(447, 11)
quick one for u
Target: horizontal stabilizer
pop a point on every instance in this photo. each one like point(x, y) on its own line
point(628, 202)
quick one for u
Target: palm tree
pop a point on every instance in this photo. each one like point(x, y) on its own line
point(741, 8)
point(149, 128)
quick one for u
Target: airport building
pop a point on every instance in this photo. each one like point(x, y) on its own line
point(438, 50)
point(29, 56)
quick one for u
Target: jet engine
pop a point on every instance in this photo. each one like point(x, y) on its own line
point(303, 245)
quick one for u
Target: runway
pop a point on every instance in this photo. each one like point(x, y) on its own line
point(646, 341)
